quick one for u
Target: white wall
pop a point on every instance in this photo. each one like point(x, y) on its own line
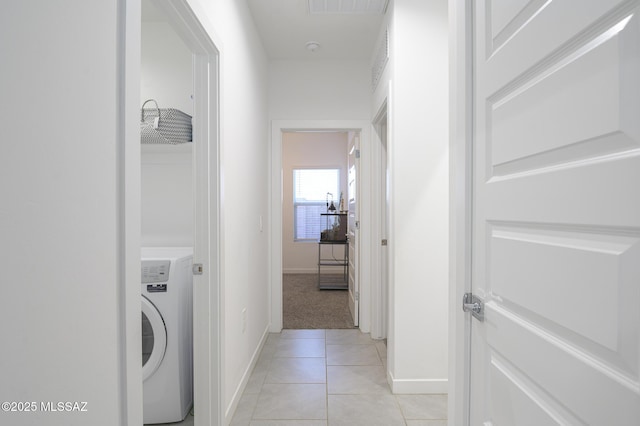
point(418, 160)
point(62, 289)
point(311, 150)
point(319, 90)
point(167, 171)
point(244, 162)
point(166, 73)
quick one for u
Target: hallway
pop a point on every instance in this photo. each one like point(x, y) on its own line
point(329, 377)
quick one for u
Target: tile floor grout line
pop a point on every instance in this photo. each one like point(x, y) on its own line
point(326, 373)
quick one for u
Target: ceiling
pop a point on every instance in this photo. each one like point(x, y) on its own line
point(286, 26)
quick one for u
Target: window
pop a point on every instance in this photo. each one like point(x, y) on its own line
point(310, 188)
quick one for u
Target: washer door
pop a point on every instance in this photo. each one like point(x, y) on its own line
point(154, 338)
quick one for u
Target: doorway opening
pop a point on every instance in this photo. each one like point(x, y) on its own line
point(315, 250)
point(180, 183)
point(360, 295)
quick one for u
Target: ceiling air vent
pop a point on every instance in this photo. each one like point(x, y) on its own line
point(382, 57)
point(347, 7)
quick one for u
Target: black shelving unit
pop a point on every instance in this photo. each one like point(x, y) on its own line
point(331, 280)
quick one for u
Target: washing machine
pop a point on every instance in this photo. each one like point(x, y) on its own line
point(167, 333)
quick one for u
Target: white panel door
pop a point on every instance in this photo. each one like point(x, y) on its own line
point(352, 191)
point(556, 213)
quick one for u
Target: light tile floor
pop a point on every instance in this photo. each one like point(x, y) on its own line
point(329, 378)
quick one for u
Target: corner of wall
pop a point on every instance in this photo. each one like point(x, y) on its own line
point(417, 386)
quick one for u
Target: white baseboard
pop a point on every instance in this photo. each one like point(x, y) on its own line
point(417, 386)
point(233, 404)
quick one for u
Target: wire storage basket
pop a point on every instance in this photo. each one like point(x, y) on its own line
point(164, 125)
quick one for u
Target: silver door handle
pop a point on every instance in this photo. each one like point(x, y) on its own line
point(472, 307)
point(473, 304)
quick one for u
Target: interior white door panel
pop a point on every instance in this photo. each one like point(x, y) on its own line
point(556, 213)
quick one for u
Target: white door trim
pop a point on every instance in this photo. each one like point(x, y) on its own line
point(199, 37)
point(379, 301)
point(129, 195)
point(460, 98)
point(275, 207)
point(353, 272)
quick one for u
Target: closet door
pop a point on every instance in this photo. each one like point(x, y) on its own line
point(556, 213)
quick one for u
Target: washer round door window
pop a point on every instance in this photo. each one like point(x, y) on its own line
point(154, 338)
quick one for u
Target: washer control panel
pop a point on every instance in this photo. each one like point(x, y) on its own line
point(155, 271)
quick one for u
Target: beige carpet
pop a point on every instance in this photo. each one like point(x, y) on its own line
point(304, 306)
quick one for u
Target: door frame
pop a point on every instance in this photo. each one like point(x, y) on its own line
point(460, 205)
point(278, 127)
point(380, 295)
point(197, 33)
point(354, 161)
